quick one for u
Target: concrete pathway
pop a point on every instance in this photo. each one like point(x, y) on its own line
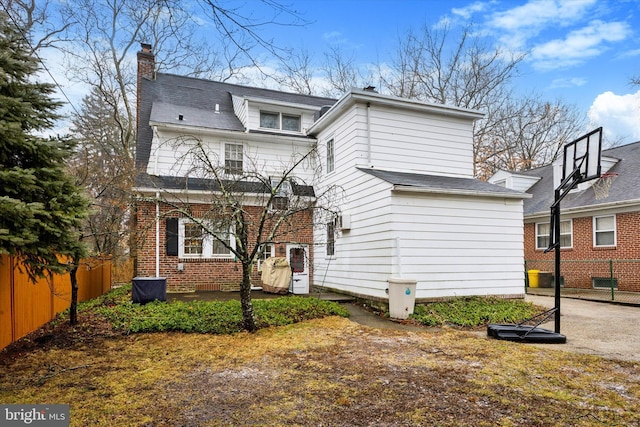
point(599, 328)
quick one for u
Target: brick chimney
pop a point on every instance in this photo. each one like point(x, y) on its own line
point(146, 69)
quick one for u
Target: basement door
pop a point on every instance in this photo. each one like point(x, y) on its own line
point(298, 257)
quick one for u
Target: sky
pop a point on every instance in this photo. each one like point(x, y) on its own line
point(584, 52)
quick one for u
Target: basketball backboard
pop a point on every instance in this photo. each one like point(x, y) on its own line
point(583, 154)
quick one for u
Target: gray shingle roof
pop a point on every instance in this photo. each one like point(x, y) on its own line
point(168, 95)
point(200, 184)
point(625, 188)
point(442, 183)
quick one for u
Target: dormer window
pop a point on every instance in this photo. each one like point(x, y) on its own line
point(280, 121)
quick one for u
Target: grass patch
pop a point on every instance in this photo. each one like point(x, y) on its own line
point(474, 311)
point(206, 317)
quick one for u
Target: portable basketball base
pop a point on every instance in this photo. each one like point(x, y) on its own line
point(581, 163)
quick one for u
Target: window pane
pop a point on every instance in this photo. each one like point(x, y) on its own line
point(217, 247)
point(605, 238)
point(605, 223)
point(269, 120)
point(565, 227)
point(330, 156)
point(565, 241)
point(193, 237)
point(266, 254)
point(291, 123)
point(280, 203)
point(330, 239)
point(296, 259)
point(233, 159)
point(542, 236)
point(543, 229)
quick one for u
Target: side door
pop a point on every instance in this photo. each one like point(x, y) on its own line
point(298, 257)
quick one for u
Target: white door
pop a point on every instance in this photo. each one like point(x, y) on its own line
point(298, 257)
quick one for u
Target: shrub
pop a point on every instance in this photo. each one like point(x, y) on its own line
point(214, 317)
point(474, 311)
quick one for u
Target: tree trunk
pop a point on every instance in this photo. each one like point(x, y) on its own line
point(248, 319)
point(73, 309)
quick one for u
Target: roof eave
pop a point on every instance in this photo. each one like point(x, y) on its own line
point(362, 96)
point(460, 192)
point(590, 208)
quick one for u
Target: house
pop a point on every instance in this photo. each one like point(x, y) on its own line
point(599, 232)
point(238, 123)
point(410, 209)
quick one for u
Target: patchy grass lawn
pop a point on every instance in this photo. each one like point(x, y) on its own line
point(329, 371)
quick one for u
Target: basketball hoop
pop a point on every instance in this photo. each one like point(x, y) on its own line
point(601, 185)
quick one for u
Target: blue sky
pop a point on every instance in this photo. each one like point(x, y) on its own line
point(581, 51)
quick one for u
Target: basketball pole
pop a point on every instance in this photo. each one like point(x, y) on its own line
point(563, 189)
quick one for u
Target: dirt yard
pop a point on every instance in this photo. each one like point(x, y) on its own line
point(328, 372)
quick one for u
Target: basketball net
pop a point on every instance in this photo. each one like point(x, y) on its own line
point(602, 185)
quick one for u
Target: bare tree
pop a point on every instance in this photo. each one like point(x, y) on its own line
point(461, 70)
point(297, 74)
point(527, 132)
point(103, 170)
point(247, 211)
point(340, 72)
point(40, 22)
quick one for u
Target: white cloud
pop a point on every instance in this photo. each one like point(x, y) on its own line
point(619, 115)
point(468, 11)
point(578, 45)
point(568, 82)
point(541, 13)
point(332, 36)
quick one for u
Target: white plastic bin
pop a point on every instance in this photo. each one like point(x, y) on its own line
point(402, 298)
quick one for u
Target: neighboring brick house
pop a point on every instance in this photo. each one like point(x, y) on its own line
point(409, 210)
point(596, 234)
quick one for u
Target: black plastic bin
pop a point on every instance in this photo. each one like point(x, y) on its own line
point(147, 289)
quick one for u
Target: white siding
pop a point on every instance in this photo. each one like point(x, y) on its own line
point(415, 142)
point(267, 157)
point(362, 261)
point(240, 109)
point(253, 116)
point(451, 245)
point(455, 246)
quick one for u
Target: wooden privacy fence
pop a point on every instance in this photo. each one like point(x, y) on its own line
point(25, 306)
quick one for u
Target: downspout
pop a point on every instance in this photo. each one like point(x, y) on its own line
point(155, 162)
point(369, 134)
point(398, 258)
point(157, 234)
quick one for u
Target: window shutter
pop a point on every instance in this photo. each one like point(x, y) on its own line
point(172, 236)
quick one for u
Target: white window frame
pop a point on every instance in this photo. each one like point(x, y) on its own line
point(331, 239)
point(207, 244)
point(613, 230)
point(281, 200)
point(537, 224)
point(279, 121)
point(331, 155)
point(224, 151)
point(269, 251)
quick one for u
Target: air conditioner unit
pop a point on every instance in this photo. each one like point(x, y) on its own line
point(343, 222)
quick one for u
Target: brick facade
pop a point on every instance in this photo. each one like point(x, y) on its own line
point(207, 274)
point(583, 262)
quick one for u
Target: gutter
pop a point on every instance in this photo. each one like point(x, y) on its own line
point(635, 204)
point(456, 192)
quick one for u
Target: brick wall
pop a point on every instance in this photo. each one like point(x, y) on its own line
point(207, 274)
point(584, 261)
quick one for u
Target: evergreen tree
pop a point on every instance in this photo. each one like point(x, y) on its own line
point(41, 207)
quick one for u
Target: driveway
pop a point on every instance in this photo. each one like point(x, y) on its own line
point(603, 329)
